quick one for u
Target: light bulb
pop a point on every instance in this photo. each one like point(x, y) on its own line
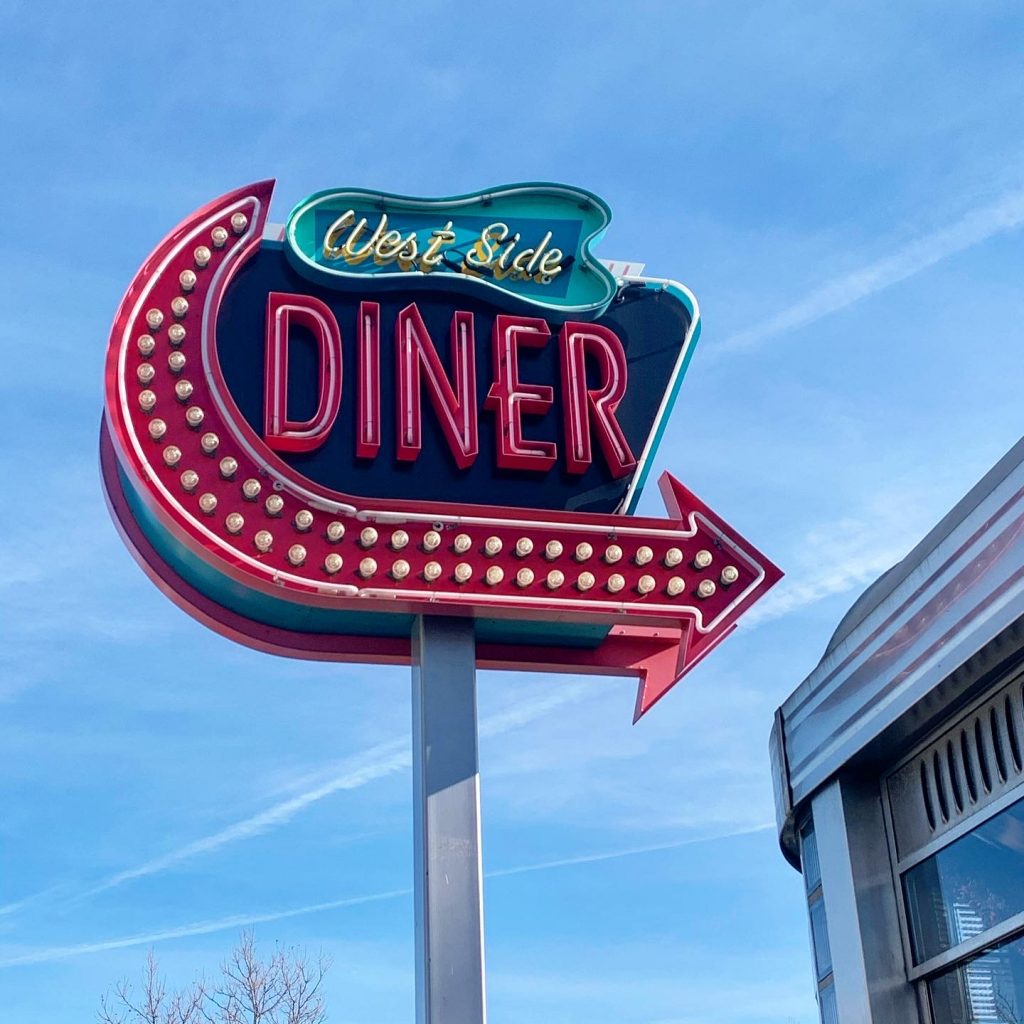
point(673, 557)
point(613, 554)
point(209, 442)
point(399, 540)
point(675, 586)
point(296, 554)
point(303, 520)
point(463, 572)
point(201, 256)
point(333, 563)
point(730, 574)
point(585, 581)
point(524, 577)
point(431, 540)
point(263, 540)
point(234, 522)
point(179, 306)
point(643, 555)
point(367, 536)
point(239, 222)
point(492, 546)
point(208, 503)
point(155, 319)
point(228, 467)
point(462, 543)
point(176, 334)
point(555, 579)
point(367, 567)
point(615, 583)
point(189, 480)
point(432, 571)
point(147, 400)
point(494, 575)
point(176, 362)
point(218, 236)
point(187, 279)
point(702, 559)
point(146, 345)
point(335, 531)
point(645, 584)
point(194, 416)
point(552, 550)
point(251, 489)
point(524, 547)
point(145, 373)
point(583, 551)
point(706, 588)
point(274, 504)
point(183, 390)
point(172, 455)
point(157, 429)
point(400, 569)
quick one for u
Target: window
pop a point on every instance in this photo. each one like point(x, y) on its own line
point(988, 989)
point(970, 886)
point(819, 925)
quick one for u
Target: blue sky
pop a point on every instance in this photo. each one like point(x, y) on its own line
point(842, 187)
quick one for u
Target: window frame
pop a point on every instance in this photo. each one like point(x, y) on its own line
point(920, 974)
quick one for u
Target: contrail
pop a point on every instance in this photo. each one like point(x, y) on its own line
point(376, 763)
point(198, 928)
point(247, 920)
point(979, 225)
point(592, 858)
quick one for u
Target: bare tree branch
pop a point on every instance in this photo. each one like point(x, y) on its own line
point(285, 988)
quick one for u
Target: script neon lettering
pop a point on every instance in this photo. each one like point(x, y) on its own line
point(494, 253)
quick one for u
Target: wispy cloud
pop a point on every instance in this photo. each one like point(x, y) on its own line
point(234, 921)
point(834, 558)
point(979, 225)
point(833, 577)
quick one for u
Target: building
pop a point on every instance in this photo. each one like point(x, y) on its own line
point(899, 779)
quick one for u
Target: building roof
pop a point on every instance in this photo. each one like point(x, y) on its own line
point(952, 594)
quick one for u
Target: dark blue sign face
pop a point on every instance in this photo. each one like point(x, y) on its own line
point(652, 324)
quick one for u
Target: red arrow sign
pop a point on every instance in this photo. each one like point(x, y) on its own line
point(211, 485)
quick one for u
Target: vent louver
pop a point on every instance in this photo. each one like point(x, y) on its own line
point(968, 766)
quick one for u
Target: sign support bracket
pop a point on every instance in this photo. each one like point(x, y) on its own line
point(446, 832)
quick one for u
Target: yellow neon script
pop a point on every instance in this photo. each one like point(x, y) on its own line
point(496, 253)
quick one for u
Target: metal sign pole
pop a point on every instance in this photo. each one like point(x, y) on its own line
point(446, 807)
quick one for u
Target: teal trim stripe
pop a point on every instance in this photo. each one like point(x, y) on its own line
point(659, 429)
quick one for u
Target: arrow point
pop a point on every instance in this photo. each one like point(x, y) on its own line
point(679, 499)
point(661, 671)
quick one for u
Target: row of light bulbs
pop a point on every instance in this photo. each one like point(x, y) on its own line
point(463, 572)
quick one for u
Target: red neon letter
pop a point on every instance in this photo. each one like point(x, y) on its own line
point(513, 399)
point(581, 406)
point(368, 435)
point(281, 433)
point(455, 409)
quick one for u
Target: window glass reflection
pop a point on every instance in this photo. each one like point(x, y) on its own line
point(986, 990)
point(809, 857)
point(827, 1005)
point(819, 936)
point(966, 888)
